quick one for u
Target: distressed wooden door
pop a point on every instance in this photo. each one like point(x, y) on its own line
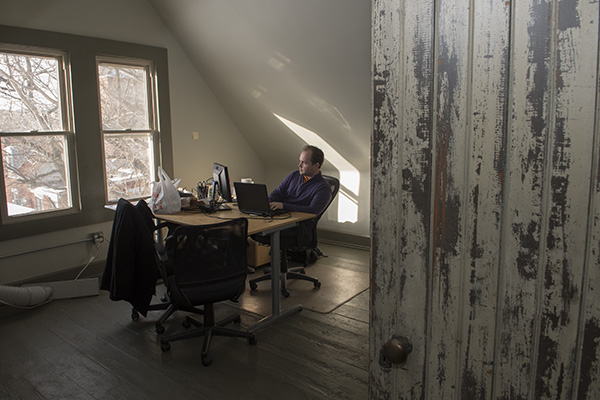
point(485, 220)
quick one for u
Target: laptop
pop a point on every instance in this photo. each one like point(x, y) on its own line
point(252, 198)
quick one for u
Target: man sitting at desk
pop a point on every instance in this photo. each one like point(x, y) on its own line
point(303, 190)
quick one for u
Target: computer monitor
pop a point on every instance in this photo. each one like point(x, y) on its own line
point(221, 180)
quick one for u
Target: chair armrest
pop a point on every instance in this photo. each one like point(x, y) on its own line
point(161, 252)
point(162, 225)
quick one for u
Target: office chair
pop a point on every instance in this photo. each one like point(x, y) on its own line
point(303, 242)
point(131, 271)
point(209, 266)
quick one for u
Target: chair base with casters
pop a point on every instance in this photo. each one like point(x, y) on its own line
point(165, 305)
point(170, 309)
point(208, 328)
point(286, 273)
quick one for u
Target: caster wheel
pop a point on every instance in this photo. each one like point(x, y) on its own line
point(160, 329)
point(285, 293)
point(317, 284)
point(206, 361)
point(238, 320)
point(134, 315)
point(186, 324)
point(253, 286)
point(252, 340)
point(166, 346)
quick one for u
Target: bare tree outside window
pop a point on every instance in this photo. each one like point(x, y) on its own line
point(128, 129)
point(35, 130)
point(33, 134)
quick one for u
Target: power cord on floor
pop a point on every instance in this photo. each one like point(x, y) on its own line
point(30, 297)
point(92, 258)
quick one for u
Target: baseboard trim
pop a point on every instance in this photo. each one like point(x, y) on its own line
point(72, 288)
point(344, 239)
point(94, 270)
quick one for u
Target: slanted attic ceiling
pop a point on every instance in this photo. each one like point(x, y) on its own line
point(307, 61)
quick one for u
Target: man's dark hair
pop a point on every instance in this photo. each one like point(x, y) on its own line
point(316, 154)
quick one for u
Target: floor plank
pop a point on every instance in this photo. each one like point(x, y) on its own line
point(89, 348)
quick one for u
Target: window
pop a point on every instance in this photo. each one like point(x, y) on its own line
point(79, 127)
point(128, 110)
point(36, 134)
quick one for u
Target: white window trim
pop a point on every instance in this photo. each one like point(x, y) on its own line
point(82, 51)
point(68, 133)
point(153, 107)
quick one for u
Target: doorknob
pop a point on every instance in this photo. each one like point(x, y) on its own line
point(395, 351)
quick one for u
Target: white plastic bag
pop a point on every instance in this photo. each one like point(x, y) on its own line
point(165, 197)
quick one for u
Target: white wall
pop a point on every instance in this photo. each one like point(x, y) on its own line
point(193, 109)
point(307, 62)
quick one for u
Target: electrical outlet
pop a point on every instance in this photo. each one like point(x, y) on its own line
point(97, 237)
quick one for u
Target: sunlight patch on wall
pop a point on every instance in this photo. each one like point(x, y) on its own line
point(349, 175)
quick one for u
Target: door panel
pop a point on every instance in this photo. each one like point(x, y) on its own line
point(401, 168)
point(486, 189)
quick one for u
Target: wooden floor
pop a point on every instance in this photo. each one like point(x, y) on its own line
point(89, 348)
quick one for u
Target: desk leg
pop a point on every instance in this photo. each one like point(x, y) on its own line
point(275, 273)
point(276, 312)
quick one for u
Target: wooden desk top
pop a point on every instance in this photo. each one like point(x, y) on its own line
point(255, 224)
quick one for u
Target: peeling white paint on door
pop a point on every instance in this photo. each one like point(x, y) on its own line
point(486, 199)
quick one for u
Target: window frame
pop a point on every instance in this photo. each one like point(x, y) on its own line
point(68, 133)
point(153, 107)
point(82, 52)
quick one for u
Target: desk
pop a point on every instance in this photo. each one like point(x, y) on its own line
point(255, 225)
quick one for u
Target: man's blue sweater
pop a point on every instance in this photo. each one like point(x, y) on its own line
point(311, 196)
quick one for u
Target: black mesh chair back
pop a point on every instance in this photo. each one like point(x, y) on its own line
point(334, 185)
point(208, 262)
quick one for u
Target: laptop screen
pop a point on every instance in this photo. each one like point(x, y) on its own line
point(252, 198)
